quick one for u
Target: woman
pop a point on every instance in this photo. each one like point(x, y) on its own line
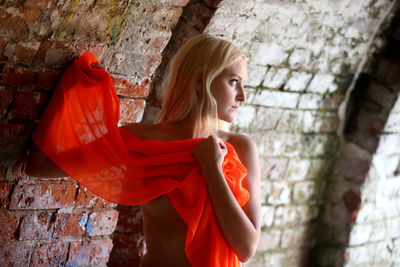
point(212, 215)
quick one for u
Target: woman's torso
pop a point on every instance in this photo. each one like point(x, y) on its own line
point(164, 230)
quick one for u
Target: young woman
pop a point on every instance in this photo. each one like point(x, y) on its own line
point(198, 186)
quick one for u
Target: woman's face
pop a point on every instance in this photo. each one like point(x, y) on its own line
point(227, 89)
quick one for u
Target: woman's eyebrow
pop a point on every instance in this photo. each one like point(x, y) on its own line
point(236, 75)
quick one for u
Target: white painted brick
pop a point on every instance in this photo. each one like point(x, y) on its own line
point(281, 144)
point(294, 237)
point(273, 168)
point(317, 101)
point(306, 190)
point(393, 123)
point(245, 116)
point(276, 99)
point(280, 193)
point(389, 144)
point(256, 74)
point(297, 169)
point(316, 121)
point(276, 77)
point(298, 81)
point(322, 83)
point(267, 216)
point(265, 190)
point(266, 118)
point(293, 215)
point(300, 57)
point(290, 121)
point(269, 240)
point(378, 231)
point(268, 54)
point(360, 234)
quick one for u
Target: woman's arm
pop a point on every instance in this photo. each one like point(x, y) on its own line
point(240, 226)
point(39, 165)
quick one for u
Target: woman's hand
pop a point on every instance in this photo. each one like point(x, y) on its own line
point(210, 154)
point(98, 66)
point(240, 226)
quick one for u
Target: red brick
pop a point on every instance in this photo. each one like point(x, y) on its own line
point(102, 222)
point(131, 110)
point(127, 247)
point(3, 43)
point(56, 54)
point(30, 14)
point(21, 52)
point(179, 2)
point(12, 140)
point(159, 43)
point(20, 77)
point(96, 50)
point(130, 220)
point(6, 97)
point(9, 224)
point(27, 105)
point(153, 61)
point(4, 192)
point(43, 196)
point(125, 88)
point(36, 226)
point(71, 224)
point(47, 79)
point(86, 199)
point(50, 254)
point(93, 252)
point(16, 171)
point(15, 254)
point(38, 4)
point(11, 26)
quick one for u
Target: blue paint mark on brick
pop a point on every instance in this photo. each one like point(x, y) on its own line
point(82, 221)
point(89, 226)
point(71, 264)
point(63, 222)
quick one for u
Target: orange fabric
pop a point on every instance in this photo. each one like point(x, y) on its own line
point(79, 132)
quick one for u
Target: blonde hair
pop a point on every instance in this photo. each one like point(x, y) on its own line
point(204, 55)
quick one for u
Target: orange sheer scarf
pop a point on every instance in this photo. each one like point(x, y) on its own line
point(79, 132)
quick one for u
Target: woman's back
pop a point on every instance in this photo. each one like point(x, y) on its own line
point(164, 230)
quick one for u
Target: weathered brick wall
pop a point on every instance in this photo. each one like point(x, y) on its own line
point(303, 58)
point(56, 221)
point(359, 225)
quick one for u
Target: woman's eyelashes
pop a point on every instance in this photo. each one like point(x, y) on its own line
point(234, 81)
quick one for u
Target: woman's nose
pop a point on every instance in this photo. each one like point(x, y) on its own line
point(241, 96)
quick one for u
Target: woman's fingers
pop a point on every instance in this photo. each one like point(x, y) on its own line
point(97, 65)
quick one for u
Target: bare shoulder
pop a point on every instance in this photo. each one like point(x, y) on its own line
point(245, 147)
point(141, 130)
point(247, 152)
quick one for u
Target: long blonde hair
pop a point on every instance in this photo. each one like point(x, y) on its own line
point(204, 55)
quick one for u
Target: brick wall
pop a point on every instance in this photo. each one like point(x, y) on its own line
point(359, 224)
point(56, 221)
point(304, 58)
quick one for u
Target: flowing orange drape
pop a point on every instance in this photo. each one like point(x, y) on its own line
point(79, 132)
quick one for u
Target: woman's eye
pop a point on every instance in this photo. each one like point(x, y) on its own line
point(234, 81)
